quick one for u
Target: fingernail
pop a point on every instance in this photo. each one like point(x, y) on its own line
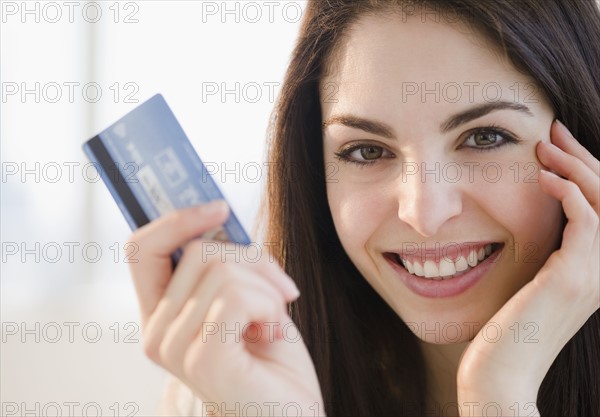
point(564, 128)
point(215, 206)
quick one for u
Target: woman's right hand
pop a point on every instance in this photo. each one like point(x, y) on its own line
point(216, 322)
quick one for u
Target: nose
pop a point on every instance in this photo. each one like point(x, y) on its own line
point(427, 199)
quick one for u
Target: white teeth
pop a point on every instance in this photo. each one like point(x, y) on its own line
point(418, 269)
point(461, 264)
point(409, 266)
point(472, 258)
point(430, 269)
point(446, 268)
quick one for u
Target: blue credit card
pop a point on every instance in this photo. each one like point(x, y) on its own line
point(150, 168)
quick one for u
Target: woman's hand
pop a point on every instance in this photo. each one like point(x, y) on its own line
point(219, 321)
point(559, 299)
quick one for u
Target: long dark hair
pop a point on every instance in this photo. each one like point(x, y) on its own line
point(367, 360)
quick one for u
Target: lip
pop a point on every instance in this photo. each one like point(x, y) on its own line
point(431, 288)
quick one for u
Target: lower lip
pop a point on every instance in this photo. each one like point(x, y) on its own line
point(432, 288)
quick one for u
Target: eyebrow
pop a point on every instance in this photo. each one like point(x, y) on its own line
point(384, 130)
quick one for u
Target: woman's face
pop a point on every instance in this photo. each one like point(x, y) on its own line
point(429, 141)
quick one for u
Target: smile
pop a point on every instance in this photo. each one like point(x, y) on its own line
point(444, 265)
point(445, 271)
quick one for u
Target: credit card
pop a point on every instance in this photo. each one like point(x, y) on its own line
point(150, 167)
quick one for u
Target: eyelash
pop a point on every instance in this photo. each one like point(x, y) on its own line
point(344, 154)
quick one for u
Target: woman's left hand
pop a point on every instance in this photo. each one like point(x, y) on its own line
point(506, 374)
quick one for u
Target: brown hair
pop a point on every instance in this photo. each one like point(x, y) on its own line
point(367, 360)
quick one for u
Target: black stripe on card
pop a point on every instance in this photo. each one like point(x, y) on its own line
point(119, 183)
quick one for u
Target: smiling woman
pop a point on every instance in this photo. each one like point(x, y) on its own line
point(441, 225)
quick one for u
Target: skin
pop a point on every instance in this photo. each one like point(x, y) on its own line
point(371, 216)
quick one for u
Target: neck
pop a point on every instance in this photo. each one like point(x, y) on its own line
point(441, 367)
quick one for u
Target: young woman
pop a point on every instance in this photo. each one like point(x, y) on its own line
point(440, 224)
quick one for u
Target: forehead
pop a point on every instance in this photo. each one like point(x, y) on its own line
point(400, 62)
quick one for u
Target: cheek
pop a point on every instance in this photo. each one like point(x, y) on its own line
point(531, 217)
point(357, 211)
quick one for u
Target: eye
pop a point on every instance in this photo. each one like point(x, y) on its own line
point(488, 137)
point(370, 152)
point(363, 154)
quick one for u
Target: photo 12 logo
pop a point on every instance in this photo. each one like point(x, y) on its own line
point(69, 332)
point(69, 252)
point(68, 91)
point(69, 11)
point(68, 409)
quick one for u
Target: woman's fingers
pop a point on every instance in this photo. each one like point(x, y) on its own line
point(201, 254)
point(582, 225)
point(192, 321)
point(562, 137)
point(199, 260)
point(572, 168)
point(224, 351)
point(156, 242)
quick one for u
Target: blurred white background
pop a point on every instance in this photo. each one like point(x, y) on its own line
point(70, 334)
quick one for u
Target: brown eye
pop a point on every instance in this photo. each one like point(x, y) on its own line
point(364, 154)
point(371, 152)
point(485, 138)
point(489, 138)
